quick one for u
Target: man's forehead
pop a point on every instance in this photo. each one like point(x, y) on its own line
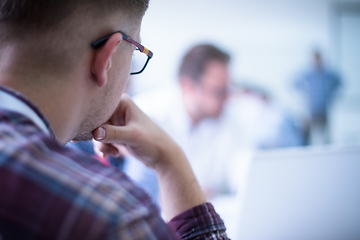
point(216, 72)
point(216, 67)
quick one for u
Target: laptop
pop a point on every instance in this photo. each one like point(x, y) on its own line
point(302, 194)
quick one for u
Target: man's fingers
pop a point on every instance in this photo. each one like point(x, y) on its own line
point(109, 150)
point(97, 146)
point(104, 149)
point(113, 134)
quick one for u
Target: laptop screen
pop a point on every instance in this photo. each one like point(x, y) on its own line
point(302, 194)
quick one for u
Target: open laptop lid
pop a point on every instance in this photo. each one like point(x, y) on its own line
point(302, 194)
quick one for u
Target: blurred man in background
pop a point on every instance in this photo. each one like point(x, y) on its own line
point(204, 80)
point(196, 118)
point(318, 86)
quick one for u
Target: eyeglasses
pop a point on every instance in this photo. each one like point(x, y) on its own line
point(141, 55)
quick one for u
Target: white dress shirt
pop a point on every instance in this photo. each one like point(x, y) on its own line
point(212, 146)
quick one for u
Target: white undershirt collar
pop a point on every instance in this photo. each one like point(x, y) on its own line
point(12, 103)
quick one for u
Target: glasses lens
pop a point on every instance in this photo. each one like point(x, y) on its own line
point(138, 61)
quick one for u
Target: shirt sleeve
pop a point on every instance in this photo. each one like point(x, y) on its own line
point(200, 222)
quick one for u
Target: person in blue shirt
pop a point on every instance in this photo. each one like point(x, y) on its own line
point(318, 86)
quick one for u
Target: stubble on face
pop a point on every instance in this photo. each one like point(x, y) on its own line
point(102, 107)
point(97, 116)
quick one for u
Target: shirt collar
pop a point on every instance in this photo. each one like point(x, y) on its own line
point(14, 101)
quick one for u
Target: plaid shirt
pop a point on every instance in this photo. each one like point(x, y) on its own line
point(51, 192)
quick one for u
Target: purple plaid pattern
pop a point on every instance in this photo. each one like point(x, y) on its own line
point(51, 192)
point(201, 222)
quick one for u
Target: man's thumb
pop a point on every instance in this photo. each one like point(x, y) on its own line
point(112, 134)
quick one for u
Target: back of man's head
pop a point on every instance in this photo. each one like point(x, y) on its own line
point(197, 58)
point(37, 14)
point(52, 34)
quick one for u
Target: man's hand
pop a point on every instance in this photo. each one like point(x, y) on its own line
point(131, 128)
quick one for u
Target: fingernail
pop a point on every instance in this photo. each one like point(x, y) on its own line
point(108, 66)
point(101, 133)
point(118, 44)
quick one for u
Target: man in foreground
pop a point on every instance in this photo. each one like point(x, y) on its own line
point(62, 67)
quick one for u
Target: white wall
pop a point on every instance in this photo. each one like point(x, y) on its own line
point(346, 114)
point(269, 40)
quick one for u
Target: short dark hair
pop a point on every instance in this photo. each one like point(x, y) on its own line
point(46, 13)
point(50, 33)
point(196, 59)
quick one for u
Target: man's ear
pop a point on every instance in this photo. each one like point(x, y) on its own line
point(103, 58)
